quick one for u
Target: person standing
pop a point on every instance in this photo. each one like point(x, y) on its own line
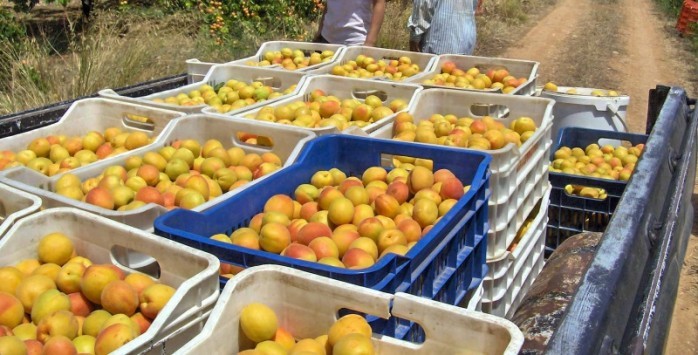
point(351, 22)
point(443, 26)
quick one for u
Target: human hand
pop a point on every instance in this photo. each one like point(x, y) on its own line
point(414, 46)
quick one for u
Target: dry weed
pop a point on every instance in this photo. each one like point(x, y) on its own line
point(110, 54)
point(587, 53)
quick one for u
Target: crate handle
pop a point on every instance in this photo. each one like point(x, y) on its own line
point(576, 191)
point(362, 94)
point(271, 81)
point(602, 141)
point(614, 109)
point(261, 142)
point(355, 131)
point(492, 110)
point(484, 67)
point(388, 161)
point(3, 212)
point(122, 256)
point(138, 122)
point(435, 317)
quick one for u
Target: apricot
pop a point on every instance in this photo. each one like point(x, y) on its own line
point(280, 203)
point(356, 258)
point(451, 188)
point(11, 310)
point(313, 230)
point(342, 239)
point(274, 237)
point(258, 322)
point(387, 205)
point(58, 323)
point(371, 228)
point(420, 178)
point(341, 211)
point(154, 298)
point(113, 337)
point(47, 303)
point(425, 212)
point(349, 324)
point(299, 251)
point(95, 279)
point(101, 197)
point(31, 288)
point(353, 343)
point(80, 305)
point(324, 247)
point(119, 297)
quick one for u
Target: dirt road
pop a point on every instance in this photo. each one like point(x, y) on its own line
point(638, 51)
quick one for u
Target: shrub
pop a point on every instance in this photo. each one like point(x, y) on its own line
point(229, 18)
point(11, 30)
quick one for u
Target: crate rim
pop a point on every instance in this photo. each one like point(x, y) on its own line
point(385, 306)
point(482, 174)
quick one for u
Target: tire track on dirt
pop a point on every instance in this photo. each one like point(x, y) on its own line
point(546, 42)
point(648, 58)
point(652, 55)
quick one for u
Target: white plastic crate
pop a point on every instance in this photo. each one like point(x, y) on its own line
point(425, 61)
point(498, 277)
point(307, 305)
point(473, 299)
point(15, 204)
point(288, 142)
point(197, 70)
point(178, 338)
point(193, 273)
point(306, 47)
point(344, 88)
point(585, 110)
point(507, 306)
point(511, 274)
point(279, 80)
point(523, 283)
point(516, 67)
point(533, 186)
point(96, 114)
point(514, 169)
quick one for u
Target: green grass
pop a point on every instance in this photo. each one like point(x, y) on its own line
point(670, 7)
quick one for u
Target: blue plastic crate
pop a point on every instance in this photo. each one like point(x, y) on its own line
point(435, 254)
point(464, 278)
point(571, 214)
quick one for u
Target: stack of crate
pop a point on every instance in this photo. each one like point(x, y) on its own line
point(482, 253)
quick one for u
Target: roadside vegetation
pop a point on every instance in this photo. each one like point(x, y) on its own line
point(51, 52)
point(672, 8)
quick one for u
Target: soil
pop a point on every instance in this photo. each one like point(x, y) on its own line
point(645, 51)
